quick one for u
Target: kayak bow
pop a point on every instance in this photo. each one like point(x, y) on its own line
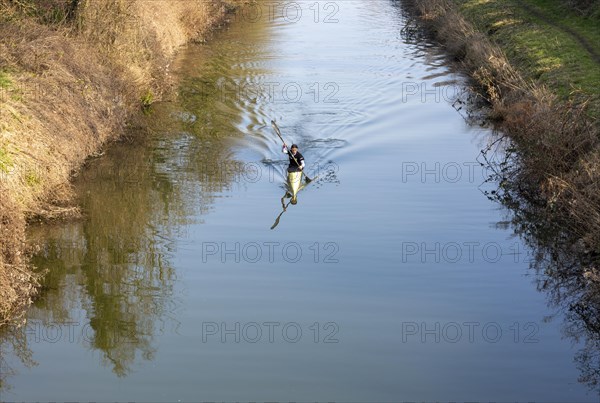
point(294, 180)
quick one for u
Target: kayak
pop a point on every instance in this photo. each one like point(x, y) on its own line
point(294, 180)
point(294, 185)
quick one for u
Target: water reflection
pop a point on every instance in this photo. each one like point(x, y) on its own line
point(284, 206)
point(110, 277)
point(294, 185)
point(13, 343)
point(566, 270)
point(120, 265)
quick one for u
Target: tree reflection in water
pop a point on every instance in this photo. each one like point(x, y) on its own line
point(567, 269)
point(114, 267)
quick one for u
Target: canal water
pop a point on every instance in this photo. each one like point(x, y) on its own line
point(394, 277)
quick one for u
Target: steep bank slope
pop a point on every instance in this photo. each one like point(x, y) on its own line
point(542, 80)
point(535, 62)
point(73, 75)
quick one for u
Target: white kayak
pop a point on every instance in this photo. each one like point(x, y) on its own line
point(294, 181)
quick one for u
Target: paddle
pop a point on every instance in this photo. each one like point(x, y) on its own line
point(278, 132)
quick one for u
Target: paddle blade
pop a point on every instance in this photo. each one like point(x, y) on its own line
point(275, 127)
point(309, 180)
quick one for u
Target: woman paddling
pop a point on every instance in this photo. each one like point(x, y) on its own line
point(296, 159)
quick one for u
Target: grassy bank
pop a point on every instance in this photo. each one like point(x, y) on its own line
point(73, 76)
point(548, 41)
point(535, 63)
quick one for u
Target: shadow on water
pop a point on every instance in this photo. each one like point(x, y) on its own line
point(565, 270)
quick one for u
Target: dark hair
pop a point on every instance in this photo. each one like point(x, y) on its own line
point(294, 146)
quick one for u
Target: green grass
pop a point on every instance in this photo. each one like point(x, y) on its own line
point(32, 179)
point(5, 81)
point(6, 162)
point(147, 99)
point(539, 44)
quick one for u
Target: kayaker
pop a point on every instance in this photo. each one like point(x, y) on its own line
point(297, 164)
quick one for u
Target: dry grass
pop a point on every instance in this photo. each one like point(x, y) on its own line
point(70, 81)
point(550, 179)
point(17, 283)
point(142, 36)
point(559, 144)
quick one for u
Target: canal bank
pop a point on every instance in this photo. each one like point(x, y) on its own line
point(73, 77)
point(379, 284)
point(536, 64)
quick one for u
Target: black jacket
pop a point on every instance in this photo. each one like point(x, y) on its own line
point(298, 157)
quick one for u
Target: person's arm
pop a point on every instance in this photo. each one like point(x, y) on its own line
point(285, 149)
point(301, 162)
